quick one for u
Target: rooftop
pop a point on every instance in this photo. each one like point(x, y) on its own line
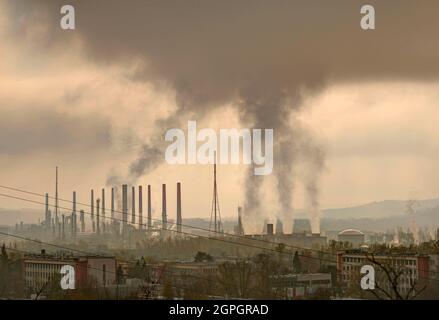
point(351, 232)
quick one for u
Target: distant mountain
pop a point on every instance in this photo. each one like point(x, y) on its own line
point(379, 215)
point(423, 218)
point(379, 210)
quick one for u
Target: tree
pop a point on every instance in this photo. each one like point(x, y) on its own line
point(4, 270)
point(203, 257)
point(197, 289)
point(265, 270)
point(297, 266)
point(119, 275)
point(168, 292)
point(390, 275)
point(235, 278)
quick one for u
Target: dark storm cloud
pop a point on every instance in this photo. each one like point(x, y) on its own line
point(258, 55)
point(221, 45)
point(45, 130)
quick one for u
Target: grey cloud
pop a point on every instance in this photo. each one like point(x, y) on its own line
point(256, 54)
point(46, 130)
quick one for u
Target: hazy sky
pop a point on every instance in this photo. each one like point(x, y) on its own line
point(88, 100)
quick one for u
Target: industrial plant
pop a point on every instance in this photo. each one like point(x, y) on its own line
point(116, 216)
point(122, 220)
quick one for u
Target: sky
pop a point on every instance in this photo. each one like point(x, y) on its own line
point(355, 113)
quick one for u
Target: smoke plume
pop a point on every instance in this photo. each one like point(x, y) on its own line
point(259, 56)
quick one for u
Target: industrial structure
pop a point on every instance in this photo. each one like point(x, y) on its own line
point(126, 226)
point(414, 268)
point(300, 237)
point(93, 220)
point(40, 269)
point(353, 236)
point(215, 214)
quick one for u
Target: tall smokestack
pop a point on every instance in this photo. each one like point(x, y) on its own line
point(82, 219)
point(103, 210)
point(92, 208)
point(98, 227)
point(179, 219)
point(112, 203)
point(63, 231)
point(56, 196)
point(240, 227)
point(73, 222)
point(124, 208)
point(269, 228)
point(48, 218)
point(140, 208)
point(279, 226)
point(114, 223)
point(164, 216)
point(149, 208)
point(133, 205)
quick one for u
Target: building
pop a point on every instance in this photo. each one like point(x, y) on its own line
point(434, 266)
point(302, 240)
point(295, 240)
point(299, 239)
point(414, 267)
point(302, 285)
point(353, 236)
point(96, 271)
point(41, 270)
point(181, 272)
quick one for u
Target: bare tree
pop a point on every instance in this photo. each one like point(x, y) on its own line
point(390, 278)
point(235, 278)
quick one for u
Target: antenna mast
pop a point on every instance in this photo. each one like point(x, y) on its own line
point(215, 213)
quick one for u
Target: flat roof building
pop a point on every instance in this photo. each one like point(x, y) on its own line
point(95, 271)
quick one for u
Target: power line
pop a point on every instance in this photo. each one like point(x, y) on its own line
point(185, 233)
point(49, 244)
point(163, 270)
point(183, 225)
point(216, 239)
point(197, 228)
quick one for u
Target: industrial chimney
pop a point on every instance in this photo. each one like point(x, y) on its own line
point(140, 208)
point(103, 210)
point(279, 226)
point(92, 207)
point(133, 205)
point(73, 222)
point(63, 231)
point(240, 227)
point(149, 208)
point(81, 217)
point(179, 219)
point(269, 229)
point(164, 216)
point(48, 217)
point(98, 227)
point(124, 208)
